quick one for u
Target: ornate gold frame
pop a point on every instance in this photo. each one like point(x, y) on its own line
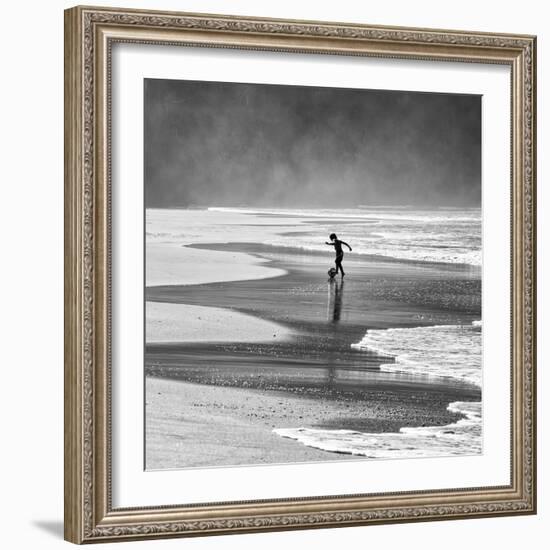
point(89, 35)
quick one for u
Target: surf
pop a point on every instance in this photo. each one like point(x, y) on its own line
point(441, 351)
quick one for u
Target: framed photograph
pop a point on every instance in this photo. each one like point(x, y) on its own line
point(300, 274)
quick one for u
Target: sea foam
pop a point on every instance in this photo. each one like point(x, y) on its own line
point(443, 351)
point(457, 439)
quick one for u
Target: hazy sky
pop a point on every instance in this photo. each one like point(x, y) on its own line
point(226, 144)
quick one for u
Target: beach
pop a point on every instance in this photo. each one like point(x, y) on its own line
point(253, 357)
point(196, 424)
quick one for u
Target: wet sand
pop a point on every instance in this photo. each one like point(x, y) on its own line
point(313, 379)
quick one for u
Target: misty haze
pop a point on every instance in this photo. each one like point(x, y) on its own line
point(227, 144)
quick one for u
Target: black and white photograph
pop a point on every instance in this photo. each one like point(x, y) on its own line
point(313, 274)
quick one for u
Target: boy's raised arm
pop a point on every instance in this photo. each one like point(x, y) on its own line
point(343, 242)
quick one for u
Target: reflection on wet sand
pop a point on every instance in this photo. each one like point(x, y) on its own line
point(335, 300)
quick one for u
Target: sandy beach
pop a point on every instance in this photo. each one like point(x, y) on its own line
point(197, 425)
point(168, 322)
point(245, 338)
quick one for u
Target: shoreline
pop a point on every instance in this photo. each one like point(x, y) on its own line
point(196, 425)
point(315, 370)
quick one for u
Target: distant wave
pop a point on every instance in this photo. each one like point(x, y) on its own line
point(385, 207)
point(359, 213)
point(443, 351)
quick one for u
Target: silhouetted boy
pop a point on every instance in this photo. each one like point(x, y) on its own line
point(339, 252)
